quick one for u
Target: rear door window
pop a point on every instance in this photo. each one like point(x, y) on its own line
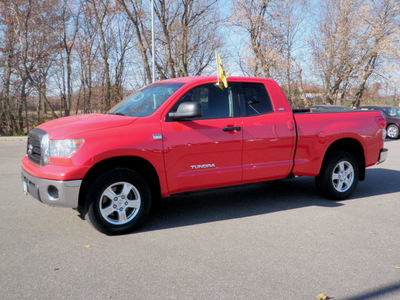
point(256, 100)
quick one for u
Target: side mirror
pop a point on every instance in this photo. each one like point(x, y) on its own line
point(186, 110)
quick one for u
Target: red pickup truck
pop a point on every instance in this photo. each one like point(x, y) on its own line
point(188, 134)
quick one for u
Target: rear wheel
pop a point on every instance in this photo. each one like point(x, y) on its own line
point(393, 131)
point(339, 176)
point(118, 201)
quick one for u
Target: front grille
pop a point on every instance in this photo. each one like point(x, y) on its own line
point(33, 147)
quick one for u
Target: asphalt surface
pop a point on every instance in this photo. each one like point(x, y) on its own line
point(276, 240)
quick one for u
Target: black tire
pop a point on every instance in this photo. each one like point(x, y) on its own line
point(339, 176)
point(392, 132)
point(119, 200)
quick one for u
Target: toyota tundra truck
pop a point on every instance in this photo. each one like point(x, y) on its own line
point(189, 134)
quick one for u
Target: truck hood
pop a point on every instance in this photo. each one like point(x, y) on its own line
point(76, 126)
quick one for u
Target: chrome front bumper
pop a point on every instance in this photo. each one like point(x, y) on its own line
point(382, 155)
point(51, 192)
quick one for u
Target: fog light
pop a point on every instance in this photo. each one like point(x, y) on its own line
point(53, 193)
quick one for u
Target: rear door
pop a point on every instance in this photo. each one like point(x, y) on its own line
point(268, 135)
point(205, 152)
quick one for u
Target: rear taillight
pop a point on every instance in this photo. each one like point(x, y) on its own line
point(381, 122)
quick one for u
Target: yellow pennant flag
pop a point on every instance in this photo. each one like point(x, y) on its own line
point(221, 72)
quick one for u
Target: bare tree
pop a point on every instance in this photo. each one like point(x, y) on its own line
point(101, 12)
point(383, 19)
point(8, 65)
point(69, 15)
point(199, 36)
point(37, 46)
point(290, 16)
point(188, 38)
point(265, 43)
point(122, 42)
point(139, 17)
point(86, 54)
point(187, 35)
point(86, 50)
point(115, 41)
point(339, 46)
point(272, 30)
point(351, 38)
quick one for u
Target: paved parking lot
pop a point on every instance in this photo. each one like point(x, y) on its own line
point(276, 240)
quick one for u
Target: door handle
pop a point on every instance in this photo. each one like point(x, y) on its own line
point(233, 128)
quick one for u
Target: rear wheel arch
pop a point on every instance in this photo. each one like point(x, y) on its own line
point(339, 176)
point(351, 146)
point(137, 164)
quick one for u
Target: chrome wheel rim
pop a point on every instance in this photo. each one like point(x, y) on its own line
point(392, 131)
point(120, 203)
point(343, 176)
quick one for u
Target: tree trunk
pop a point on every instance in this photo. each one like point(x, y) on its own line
point(369, 68)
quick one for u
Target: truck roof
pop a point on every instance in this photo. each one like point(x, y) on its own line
point(214, 78)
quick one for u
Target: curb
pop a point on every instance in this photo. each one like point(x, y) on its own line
point(12, 138)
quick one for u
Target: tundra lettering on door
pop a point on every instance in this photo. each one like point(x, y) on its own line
point(205, 166)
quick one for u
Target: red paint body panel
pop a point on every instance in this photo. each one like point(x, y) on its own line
point(198, 154)
point(268, 147)
point(317, 131)
point(190, 145)
point(75, 126)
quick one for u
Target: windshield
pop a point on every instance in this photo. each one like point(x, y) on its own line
point(145, 101)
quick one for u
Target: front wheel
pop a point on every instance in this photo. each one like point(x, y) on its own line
point(393, 131)
point(118, 201)
point(338, 177)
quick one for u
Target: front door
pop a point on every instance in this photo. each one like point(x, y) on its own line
point(205, 152)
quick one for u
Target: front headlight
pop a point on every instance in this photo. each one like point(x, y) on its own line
point(65, 148)
point(57, 148)
point(44, 150)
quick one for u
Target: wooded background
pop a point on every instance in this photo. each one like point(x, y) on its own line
point(65, 57)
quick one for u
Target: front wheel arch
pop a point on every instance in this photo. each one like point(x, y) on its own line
point(136, 164)
point(118, 201)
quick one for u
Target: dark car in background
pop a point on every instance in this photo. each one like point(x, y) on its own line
point(392, 116)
